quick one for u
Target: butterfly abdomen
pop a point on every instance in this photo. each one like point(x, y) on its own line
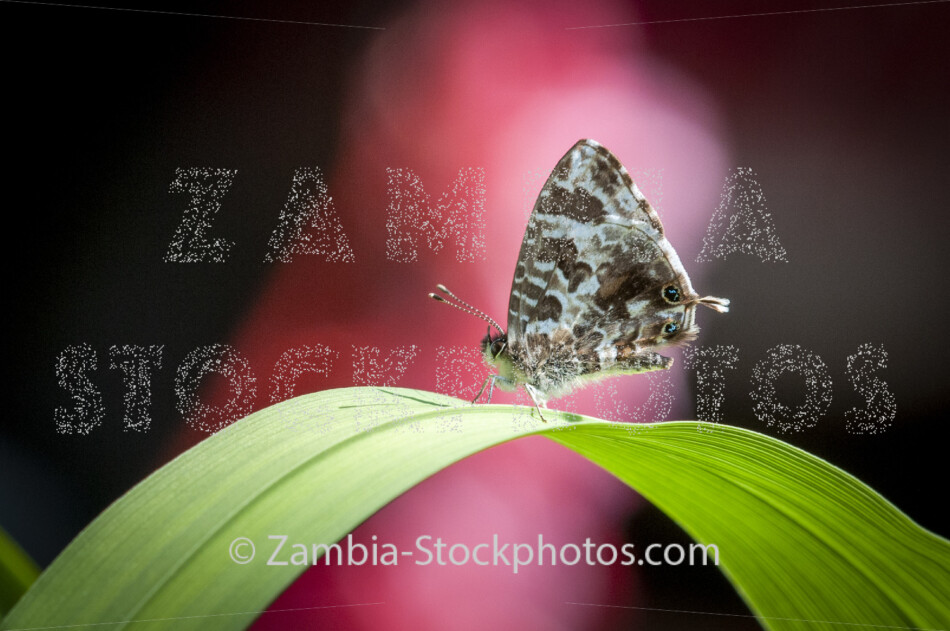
point(552, 362)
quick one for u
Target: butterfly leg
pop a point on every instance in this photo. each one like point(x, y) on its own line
point(536, 396)
point(491, 389)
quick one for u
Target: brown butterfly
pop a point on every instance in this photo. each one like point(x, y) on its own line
point(597, 288)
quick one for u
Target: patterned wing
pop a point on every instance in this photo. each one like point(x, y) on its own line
point(624, 316)
point(587, 186)
point(588, 287)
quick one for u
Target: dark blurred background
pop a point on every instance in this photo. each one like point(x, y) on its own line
point(842, 115)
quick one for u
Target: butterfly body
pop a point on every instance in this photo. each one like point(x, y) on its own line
point(597, 288)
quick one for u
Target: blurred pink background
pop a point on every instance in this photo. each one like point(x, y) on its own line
point(840, 113)
point(504, 87)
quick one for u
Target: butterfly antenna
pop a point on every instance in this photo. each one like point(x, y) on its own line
point(716, 304)
point(464, 306)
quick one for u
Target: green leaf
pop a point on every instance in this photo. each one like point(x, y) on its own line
point(807, 545)
point(17, 572)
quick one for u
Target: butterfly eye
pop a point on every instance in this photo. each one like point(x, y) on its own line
point(671, 293)
point(496, 347)
point(671, 328)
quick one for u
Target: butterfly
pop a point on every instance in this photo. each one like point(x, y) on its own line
point(597, 289)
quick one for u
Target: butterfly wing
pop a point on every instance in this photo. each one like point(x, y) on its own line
point(587, 296)
point(587, 186)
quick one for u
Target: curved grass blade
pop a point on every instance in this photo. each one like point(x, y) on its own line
point(17, 572)
point(808, 546)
